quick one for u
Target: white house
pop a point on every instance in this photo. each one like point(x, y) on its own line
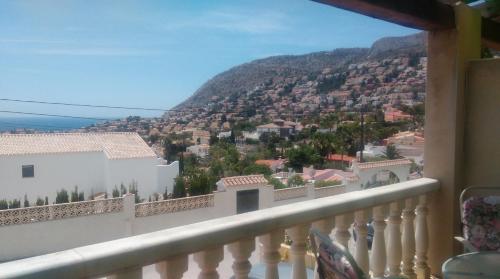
point(200, 150)
point(372, 151)
point(41, 164)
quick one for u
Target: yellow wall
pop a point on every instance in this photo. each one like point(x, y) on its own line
point(482, 125)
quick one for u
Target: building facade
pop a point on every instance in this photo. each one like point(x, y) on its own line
point(39, 165)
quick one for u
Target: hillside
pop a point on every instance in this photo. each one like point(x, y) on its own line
point(245, 78)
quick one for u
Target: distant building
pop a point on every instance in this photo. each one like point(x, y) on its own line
point(339, 158)
point(281, 127)
point(224, 135)
point(38, 165)
point(274, 165)
point(372, 151)
point(409, 145)
point(200, 150)
point(201, 137)
point(395, 115)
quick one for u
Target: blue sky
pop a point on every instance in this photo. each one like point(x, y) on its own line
point(155, 53)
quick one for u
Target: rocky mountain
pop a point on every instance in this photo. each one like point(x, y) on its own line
point(285, 71)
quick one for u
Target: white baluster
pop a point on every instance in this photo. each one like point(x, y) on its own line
point(173, 268)
point(129, 273)
point(409, 239)
point(422, 239)
point(394, 252)
point(208, 261)
point(378, 258)
point(298, 235)
point(361, 255)
point(271, 244)
point(342, 234)
point(241, 251)
point(325, 227)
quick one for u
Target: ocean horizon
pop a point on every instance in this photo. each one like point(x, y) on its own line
point(45, 124)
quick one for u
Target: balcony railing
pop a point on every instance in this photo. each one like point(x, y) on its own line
point(392, 208)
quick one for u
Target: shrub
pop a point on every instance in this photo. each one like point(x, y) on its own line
point(39, 201)
point(4, 204)
point(26, 201)
point(123, 190)
point(133, 188)
point(74, 194)
point(46, 200)
point(295, 181)
point(61, 196)
point(116, 192)
point(276, 183)
point(81, 196)
point(165, 194)
point(179, 188)
point(15, 203)
point(323, 183)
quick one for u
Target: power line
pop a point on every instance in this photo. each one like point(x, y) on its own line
point(32, 126)
point(80, 105)
point(53, 115)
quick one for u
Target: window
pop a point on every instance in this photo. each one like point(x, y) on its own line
point(28, 171)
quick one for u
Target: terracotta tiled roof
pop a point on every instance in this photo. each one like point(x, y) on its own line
point(338, 157)
point(114, 145)
point(387, 163)
point(244, 180)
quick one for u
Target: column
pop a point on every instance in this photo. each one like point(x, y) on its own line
point(361, 255)
point(378, 258)
point(409, 239)
point(208, 261)
point(422, 239)
point(129, 273)
point(173, 268)
point(342, 234)
point(241, 251)
point(271, 244)
point(394, 248)
point(298, 235)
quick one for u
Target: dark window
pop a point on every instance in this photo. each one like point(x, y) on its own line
point(28, 171)
point(247, 201)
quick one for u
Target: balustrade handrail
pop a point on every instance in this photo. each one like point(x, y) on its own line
point(141, 250)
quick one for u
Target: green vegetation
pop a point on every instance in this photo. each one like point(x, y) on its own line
point(295, 181)
point(62, 196)
point(276, 183)
point(179, 188)
point(323, 183)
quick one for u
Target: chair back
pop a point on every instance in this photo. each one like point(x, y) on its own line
point(480, 211)
point(333, 259)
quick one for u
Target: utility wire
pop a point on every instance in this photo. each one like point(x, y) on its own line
point(24, 125)
point(53, 115)
point(79, 105)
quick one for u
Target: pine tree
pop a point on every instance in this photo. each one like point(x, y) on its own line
point(62, 196)
point(26, 202)
point(116, 192)
point(179, 188)
point(39, 201)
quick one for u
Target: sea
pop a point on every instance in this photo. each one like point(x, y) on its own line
point(44, 124)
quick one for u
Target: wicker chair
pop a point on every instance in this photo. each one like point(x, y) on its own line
point(333, 260)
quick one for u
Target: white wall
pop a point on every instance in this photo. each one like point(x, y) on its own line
point(166, 176)
point(93, 172)
point(52, 173)
point(141, 170)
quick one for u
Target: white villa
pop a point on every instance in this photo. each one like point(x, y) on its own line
point(41, 164)
point(200, 150)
